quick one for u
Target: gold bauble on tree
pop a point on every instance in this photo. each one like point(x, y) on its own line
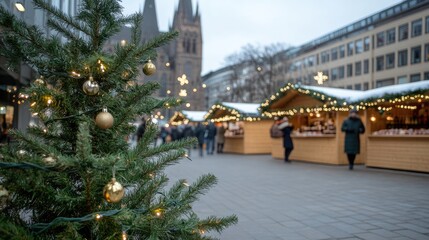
point(4, 196)
point(149, 68)
point(90, 87)
point(39, 81)
point(104, 119)
point(113, 192)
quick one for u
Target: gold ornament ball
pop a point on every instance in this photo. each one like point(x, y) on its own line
point(4, 196)
point(113, 192)
point(90, 87)
point(104, 120)
point(149, 68)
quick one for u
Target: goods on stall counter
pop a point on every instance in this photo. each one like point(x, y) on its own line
point(397, 131)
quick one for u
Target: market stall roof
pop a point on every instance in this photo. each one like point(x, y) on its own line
point(394, 91)
point(195, 116)
point(292, 99)
point(227, 111)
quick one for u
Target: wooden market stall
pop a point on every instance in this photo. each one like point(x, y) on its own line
point(317, 114)
point(247, 132)
point(398, 126)
point(184, 117)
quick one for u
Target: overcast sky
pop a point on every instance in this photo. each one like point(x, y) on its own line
point(230, 24)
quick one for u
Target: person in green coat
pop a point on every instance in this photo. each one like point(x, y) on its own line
point(353, 127)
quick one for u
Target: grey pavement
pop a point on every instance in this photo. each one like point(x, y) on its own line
point(304, 201)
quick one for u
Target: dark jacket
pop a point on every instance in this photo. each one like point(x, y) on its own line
point(287, 140)
point(188, 131)
point(352, 127)
point(140, 130)
point(211, 131)
point(199, 133)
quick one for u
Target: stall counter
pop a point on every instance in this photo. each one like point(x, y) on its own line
point(256, 139)
point(403, 152)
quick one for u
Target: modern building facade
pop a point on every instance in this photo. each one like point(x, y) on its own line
point(17, 115)
point(386, 48)
point(217, 86)
point(183, 56)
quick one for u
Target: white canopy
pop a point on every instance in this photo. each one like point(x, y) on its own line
point(195, 116)
point(246, 108)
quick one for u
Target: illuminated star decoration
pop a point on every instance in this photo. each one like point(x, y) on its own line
point(183, 80)
point(320, 78)
point(183, 93)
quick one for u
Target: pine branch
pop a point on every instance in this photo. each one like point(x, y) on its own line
point(217, 224)
point(34, 143)
point(56, 13)
point(83, 144)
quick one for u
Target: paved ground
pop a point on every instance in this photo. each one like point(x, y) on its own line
point(275, 200)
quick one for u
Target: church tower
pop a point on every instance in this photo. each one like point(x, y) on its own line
point(186, 52)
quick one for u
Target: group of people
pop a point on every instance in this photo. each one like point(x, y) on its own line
point(352, 127)
point(208, 135)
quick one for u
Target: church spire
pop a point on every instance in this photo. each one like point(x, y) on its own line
point(150, 21)
point(185, 9)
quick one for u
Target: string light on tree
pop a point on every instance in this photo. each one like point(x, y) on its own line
point(183, 80)
point(204, 85)
point(194, 90)
point(188, 105)
point(320, 78)
point(168, 92)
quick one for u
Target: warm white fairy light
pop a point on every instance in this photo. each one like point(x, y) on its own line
point(124, 235)
point(194, 90)
point(188, 105)
point(204, 85)
point(98, 216)
point(168, 91)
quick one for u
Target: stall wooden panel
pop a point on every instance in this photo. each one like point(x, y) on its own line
point(399, 152)
point(234, 145)
point(277, 150)
point(257, 138)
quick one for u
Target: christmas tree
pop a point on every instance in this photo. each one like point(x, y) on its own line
point(73, 175)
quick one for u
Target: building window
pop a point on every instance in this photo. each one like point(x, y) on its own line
point(359, 46)
point(380, 39)
point(366, 44)
point(350, 47)
point(402, 79)
point(194, 46)
point(365, 86)
point(390, 60)
point(403, 58)
point(342, 51)
point(385, 82)
point(380, 63)
point(426, 56)
point(358, 68)
point(416, 28)
point(416, 55)
point(358, 86)
point(325, 56)
point(341, 72)
point(415, 77)
point(426, 76)
point(390, 34)
point(403, 32)
point(349, 87)
point(334, 54)
point(334, 73)
point(427, 24)
point(349, 70)
point(365, 66)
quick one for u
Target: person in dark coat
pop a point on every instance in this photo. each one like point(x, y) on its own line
point(287, 129)
point(211, 134)
point(188, 132)
point(353, 127)
point(141, 129)
point(174, 133)
point(220, 138)
point(163, 134)
point(200, 131)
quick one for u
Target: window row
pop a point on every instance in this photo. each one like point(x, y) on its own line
point(388, 61)
point(389, 36)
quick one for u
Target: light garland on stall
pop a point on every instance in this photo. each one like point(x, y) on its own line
point(332, 104)
point(233, 115)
